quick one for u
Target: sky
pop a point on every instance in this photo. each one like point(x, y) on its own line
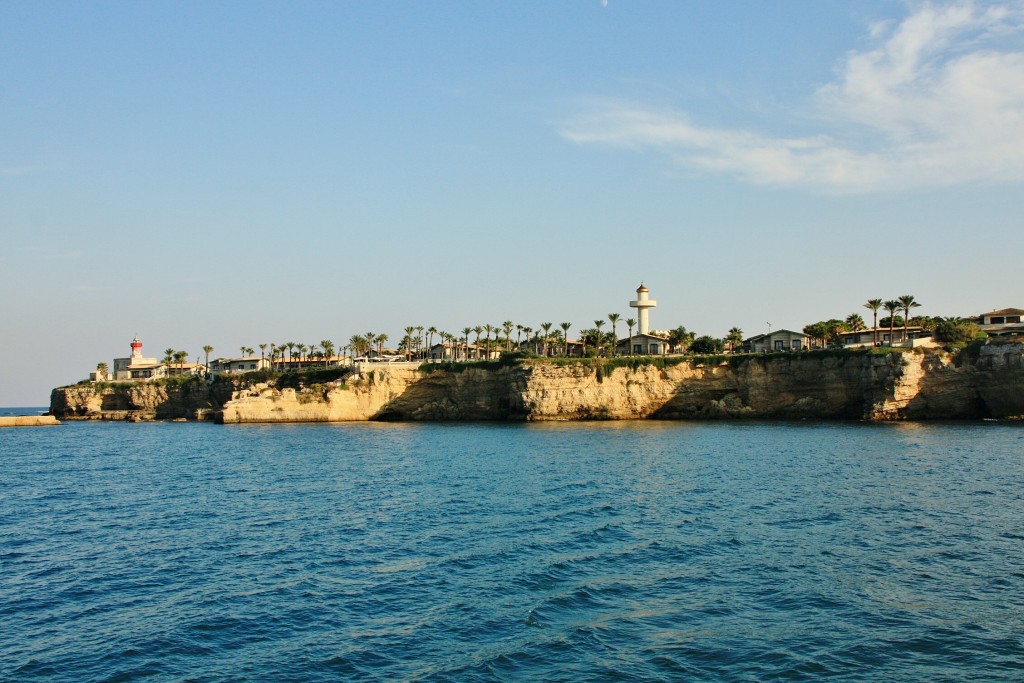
point(237, 173)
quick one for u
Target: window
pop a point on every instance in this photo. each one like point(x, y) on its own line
point(779, 345)
point(1013, 319)
point(797, 345)
point(653, 348)
point(637, 348)
point(997, 320)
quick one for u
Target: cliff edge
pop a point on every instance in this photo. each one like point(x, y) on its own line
point(984, 381)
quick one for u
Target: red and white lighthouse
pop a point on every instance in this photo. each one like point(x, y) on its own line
point(136, 348)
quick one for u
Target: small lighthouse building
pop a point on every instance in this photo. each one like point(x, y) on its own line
point(137, 366)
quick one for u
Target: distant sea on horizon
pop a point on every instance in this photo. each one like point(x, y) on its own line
point(7, 411)
point(624, 551)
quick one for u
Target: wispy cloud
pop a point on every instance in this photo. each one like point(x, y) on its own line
point(936, 100)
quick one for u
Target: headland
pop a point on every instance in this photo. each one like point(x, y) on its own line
point(983, 380)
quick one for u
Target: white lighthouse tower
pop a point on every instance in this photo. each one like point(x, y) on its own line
point(641, 305)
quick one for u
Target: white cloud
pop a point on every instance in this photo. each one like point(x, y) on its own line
point(935, 101)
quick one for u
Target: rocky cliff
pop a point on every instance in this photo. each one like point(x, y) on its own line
point(979, 382)
point(140, 401)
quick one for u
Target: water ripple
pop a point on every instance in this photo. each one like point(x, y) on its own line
point(631, 552)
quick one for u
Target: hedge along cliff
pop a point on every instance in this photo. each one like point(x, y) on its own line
point(979, 382)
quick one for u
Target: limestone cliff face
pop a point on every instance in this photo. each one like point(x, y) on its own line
point(986, 381)
point(138, 401)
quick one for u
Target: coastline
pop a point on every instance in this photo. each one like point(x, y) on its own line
point(985, 382)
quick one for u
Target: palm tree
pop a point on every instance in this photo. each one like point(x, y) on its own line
point(630, 323)
point(419, 340)
point(381, 339)
point(598, 324)
point(855, 322)
point(873, 305)
point(465, 339)
point(101, 369)
point(431, 331)
point(906, 303)
point(519, 336)
point(528, 331)
point(891, 307)
point(263, 353)
point(488, 328)
point(565, 333)
point(207, 350)
point(547, 333)
point(328, 351)
point(478, 329)
point(180, 357)
point(507, 329)
point(734, 339)
point(168, 356)
point(614, 319)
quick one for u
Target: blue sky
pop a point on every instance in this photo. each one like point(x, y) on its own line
point(238, 173)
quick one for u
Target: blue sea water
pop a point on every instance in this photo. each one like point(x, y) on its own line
point(561, 552)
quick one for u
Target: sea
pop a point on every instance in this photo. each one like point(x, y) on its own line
point(604, 551)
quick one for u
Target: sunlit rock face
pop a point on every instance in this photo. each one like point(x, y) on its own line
point(982, 382)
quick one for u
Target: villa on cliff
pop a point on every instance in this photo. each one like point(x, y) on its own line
point(886, 337)
point(777, 340)
point(1002, 323)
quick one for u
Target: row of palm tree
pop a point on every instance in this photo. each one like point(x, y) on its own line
point(903, 303)
point(175, 357)
point(418, 340)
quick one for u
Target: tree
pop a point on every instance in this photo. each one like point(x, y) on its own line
point(630, 323)
point(168, 356)
point(907, 302)
point(488, 328)
point(817, 331)
point(207, 350)
point(328, 346)
point(565, 334)
point(180, 357)
point(613, 318)
point(431, 331)
point(507, 328)
point(706, 344)
point(734, 339)
point(855, 322)
point(519, 336)
point(680, 339)
point(419, 339)
point(598, 324)
point(957, 330)
point(477, 330)
point(891, 307)
point(101, 369)
point(547, 332)
point(874, 305)
point(263, 353)
point(465, 339)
